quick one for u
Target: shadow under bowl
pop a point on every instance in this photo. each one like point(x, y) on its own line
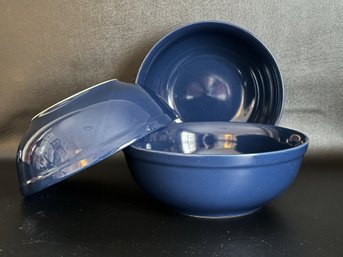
point(215, 71)
point(216, 169)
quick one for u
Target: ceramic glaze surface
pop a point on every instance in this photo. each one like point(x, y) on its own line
point(84, 129)
point(213, 71)
point(214, 138)
point(217, 169)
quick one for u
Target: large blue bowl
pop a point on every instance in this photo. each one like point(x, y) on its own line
point(215, 71)
point(216, 169)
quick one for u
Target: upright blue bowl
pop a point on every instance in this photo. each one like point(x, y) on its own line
point(215, 71)
point(216, 169)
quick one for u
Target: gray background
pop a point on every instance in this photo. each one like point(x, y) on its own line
point(52, 49)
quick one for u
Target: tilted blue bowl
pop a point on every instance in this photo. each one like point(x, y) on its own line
point(84, 129)
point(215, 71)
point(216, 169)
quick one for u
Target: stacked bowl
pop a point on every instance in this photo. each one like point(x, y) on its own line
point(198, 127)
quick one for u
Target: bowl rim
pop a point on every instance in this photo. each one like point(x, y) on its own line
point(196, 24)
point(237, 159)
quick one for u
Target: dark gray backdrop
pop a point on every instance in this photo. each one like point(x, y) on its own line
point(51, 49)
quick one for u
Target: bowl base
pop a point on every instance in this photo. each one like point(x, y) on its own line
point(224, 215)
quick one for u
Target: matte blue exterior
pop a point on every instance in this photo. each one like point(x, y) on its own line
point(215, 71)
point(84, 129)
point(218, 185)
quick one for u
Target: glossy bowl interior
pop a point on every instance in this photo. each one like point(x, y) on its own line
point(216, 169)
point(214, 71)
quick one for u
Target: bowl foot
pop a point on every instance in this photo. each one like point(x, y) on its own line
point(220, 215)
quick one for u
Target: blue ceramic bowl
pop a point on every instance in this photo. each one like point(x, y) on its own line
point(214, 71)
point(84, 129)
point(216, 169)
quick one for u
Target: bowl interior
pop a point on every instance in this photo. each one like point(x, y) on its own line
point(220, 138)
point(214, 72)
